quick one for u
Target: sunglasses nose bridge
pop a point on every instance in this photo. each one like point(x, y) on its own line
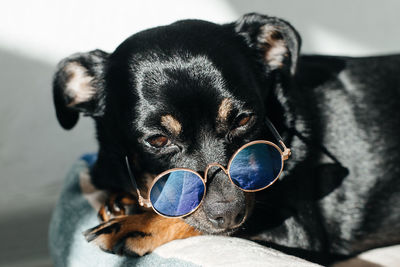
point(214, 164)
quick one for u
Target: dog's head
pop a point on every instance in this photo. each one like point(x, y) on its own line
point(181, 96)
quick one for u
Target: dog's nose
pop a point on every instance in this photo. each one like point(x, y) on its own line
point(225, 217)
point(224, 205)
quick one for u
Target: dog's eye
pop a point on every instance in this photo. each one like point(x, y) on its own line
point(243, 120)
point(158, 141)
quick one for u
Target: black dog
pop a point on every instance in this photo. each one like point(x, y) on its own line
point(193, 92)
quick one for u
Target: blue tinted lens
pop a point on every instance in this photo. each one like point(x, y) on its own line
point(177, 193)
point(256, 166)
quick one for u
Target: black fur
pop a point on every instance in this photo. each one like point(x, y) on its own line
point(339, 193)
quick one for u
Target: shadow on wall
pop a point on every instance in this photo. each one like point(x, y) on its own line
point(35, 154)
point(354, 28)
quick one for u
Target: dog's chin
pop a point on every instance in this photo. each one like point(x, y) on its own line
point(199, 221)
point(204, 228)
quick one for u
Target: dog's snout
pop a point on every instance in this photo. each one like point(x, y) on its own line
point(226, 215)
point(225, 205)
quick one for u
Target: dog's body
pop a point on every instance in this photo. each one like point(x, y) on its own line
point(347, 106)
point(191, 93)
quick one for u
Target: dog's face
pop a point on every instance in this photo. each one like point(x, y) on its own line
point(180, 96)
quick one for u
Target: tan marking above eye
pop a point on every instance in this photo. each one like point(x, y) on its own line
point(171, 124)
point(224, 109)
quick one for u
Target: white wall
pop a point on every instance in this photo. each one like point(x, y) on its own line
point(51, 29)
point(340, 27)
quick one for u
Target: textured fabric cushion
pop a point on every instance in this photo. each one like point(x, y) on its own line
point(76, 212)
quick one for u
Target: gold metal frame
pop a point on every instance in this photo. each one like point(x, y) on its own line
point(145, 202)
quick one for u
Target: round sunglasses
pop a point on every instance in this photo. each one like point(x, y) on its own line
point(179, 192)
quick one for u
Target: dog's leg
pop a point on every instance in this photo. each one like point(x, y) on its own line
point(118, 204)
point(138, 234)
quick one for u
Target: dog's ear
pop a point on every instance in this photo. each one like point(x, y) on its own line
point(275, 41)
point(78, 86)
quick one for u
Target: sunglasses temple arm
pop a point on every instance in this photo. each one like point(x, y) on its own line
point(286, 151)
point(142, 201)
